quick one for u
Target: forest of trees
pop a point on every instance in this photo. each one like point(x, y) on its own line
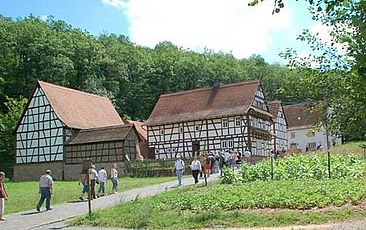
point(132, 76)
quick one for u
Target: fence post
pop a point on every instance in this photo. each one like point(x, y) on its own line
point(272, 167)
point(329, 164)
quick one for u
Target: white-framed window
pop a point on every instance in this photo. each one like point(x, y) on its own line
point(181, 129)
point(223, 144)
point(161, 131)
point(231, 144)
point(197, 128)
point(227, 144)
point(225, 123)
point(237, 121)
point(293, 146)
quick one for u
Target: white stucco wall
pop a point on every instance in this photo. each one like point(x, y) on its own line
point(300, 137)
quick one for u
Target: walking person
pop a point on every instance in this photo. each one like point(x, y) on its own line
point(114, 178)
point(83, 179)
point(102, 177)
point(93, 176)
point(207, 166)
point(179, 169)
point(196, 168)
point(3, 196)
point(45, 189)
point(202, 161)
point(222, 162)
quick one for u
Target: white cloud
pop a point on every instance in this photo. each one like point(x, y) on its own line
point(226, 25)
point(44, 17)
point(323, 32)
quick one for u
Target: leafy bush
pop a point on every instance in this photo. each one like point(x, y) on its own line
point(230, 176)
point(306, 167)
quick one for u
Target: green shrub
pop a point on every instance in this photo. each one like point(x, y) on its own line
point(306, 167)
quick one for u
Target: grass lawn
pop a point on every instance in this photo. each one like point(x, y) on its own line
point(352, 147)
point(24, 195)
point(261, 203)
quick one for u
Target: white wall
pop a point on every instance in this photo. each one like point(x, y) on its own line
point(301, 138)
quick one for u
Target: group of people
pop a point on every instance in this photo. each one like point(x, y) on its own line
point(98, 177)
point(207, 163)
point(46, 186)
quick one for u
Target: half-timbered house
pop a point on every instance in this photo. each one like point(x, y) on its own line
point(51, 117)
point(302, 133)
point(222, 117)
point(103, 146)
point(279, 126)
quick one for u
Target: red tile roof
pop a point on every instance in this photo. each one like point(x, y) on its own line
point(273, 107)
point(80, 110)
point(103, 134)
point(198, 104)
point(301, 115)
point(140, 128)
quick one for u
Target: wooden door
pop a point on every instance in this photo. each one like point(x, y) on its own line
point(195, 147)
point(151, 153)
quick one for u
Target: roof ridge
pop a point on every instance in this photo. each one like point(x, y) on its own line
point(209, 88)
point(301, 104)
point(274, 102)
point(106, 127)
point(70, 89)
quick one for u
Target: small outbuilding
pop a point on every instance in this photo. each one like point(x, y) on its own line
point(104, 146)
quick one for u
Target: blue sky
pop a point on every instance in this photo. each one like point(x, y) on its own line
point(227, 25)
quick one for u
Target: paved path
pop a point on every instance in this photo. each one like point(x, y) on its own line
point(52, 219)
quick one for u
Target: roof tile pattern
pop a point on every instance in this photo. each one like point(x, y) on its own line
point(301, 115)
point(140, 128)
point(96, 135)
point(199, 104)
point(80, 110)
point(273, 107)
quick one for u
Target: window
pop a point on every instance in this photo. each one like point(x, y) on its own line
point(162, 132)
point(225, 123)
point(293, 146)
point(237, 121)
point(230, 144)
point(292, 135)
point(223, 144)
point(311, 146)
point(181, 129)
point(198, 128)
point(227, 144)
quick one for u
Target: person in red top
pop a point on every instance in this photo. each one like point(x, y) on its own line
point(3, 195)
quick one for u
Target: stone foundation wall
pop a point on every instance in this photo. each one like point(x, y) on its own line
point(24, 172)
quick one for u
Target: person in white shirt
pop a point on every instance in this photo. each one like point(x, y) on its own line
point(102, 177)
point(179, 169)
point(114, 178)
point(93, 175)
point(196, 168)
point(45, 189)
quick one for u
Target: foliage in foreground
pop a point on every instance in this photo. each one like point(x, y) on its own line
point(305, 167)
point(216, 205)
